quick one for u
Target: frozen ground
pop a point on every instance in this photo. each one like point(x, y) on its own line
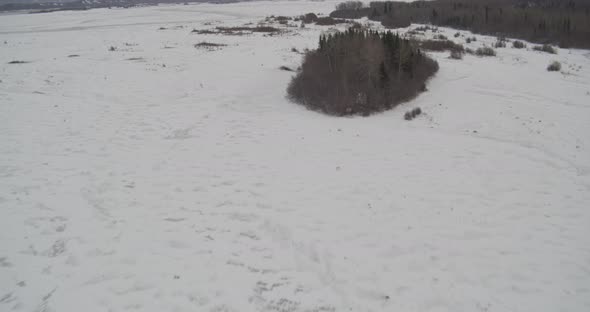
point(182, 180)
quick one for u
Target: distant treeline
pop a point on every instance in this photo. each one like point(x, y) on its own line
point(563, 22)
point(44, 7)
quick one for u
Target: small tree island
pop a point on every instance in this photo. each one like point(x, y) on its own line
point(359, 72)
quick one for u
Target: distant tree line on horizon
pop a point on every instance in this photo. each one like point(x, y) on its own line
point(77, 5)
point(566, 23)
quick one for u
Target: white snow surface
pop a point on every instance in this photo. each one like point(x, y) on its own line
point(184, 180)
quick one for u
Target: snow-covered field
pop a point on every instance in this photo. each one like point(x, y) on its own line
point(161, 177)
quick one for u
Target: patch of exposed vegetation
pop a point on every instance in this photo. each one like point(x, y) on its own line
point(500, 42)
point(413, 113)
point(204, 31)
point(518, 44)
point(265, 29)
point(238, 30)
point(286, 68)
point(440, 45)
point(425, 28)
point(210, 45)
point(456, 55)
point(328, 21)
point(309, 18)
point(485, 51)
point(554, 66)
point(283, 20)
point(545, 48)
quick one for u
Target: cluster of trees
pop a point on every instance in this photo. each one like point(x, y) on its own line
point(350, 5)
point(565, 22)
point(360, 72)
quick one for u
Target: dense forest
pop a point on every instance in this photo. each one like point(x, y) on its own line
point(566, 23)
point(359, 71)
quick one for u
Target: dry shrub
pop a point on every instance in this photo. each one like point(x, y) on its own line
point(456, 55)
point(286, 68)
point(238, 30)
point(440, 45)
point(413, 113)
point(423, 28)
point(233, 29)
point(408, 116)
point(554, 66)
point(203, 31)
point(500, 43)
point(265, 29)
point(359, 26)
point(545, 48)
point(309, 18)
point(282, 18)
point(518, 44)
point(413, 33)
point(209, 45)
point(485, 51)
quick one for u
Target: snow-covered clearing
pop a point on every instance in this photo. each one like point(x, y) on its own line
point(161, 177)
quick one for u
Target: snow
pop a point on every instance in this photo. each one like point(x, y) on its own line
point(185, 181)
